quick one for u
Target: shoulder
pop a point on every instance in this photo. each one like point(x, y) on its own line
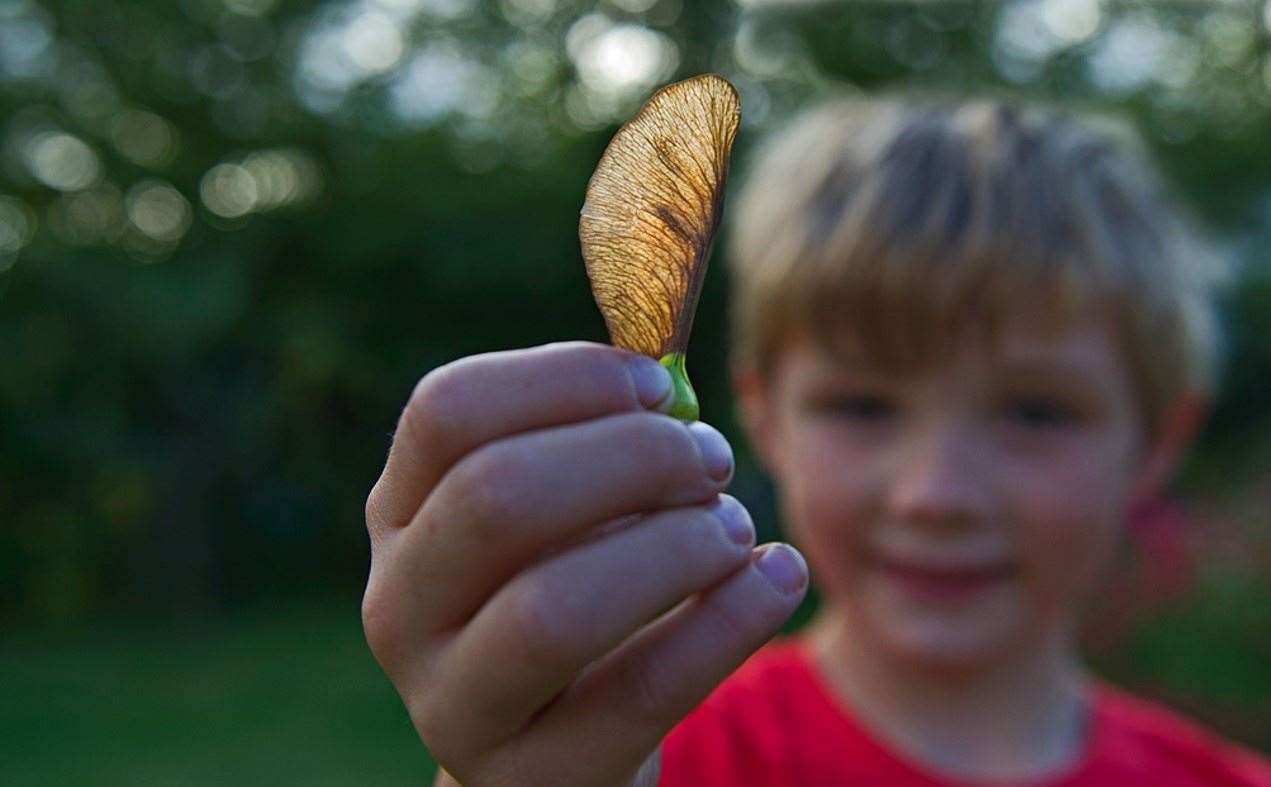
point(1155, 742)
point(748, 724)
point(769, 676)
point(770, 683)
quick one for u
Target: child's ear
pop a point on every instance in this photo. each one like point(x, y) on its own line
point(1180, 423)
point(754, 411)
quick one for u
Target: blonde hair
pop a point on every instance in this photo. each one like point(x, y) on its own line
point(906, 219)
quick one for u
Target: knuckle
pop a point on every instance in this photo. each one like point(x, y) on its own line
point(653, 697)
point(730, 623)
point(590, 353)
point(428, 717)
point(431, 720)
point(432, 404)
point(373, 511)
point(541, 634)
point(705, 540)
point(484, 492)
point(603, 383)
point(665, 447)
point(380, 625)
point(651, 440)
point(370, 509)
point(692, 550)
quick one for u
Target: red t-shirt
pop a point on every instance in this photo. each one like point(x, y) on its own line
point(774, 722)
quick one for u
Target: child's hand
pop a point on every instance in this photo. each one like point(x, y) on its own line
point(509, 584)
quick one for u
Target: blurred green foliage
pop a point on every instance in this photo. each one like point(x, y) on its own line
point(278, 694)
point(234, 233)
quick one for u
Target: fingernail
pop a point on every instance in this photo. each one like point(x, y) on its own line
point(735, 518)
point(784, 567)
point(716, 453)
point(652, 381)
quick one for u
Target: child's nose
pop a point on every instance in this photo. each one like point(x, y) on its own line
point(941, 480)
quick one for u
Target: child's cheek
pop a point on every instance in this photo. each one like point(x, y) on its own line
point(824, 506)
point(1071, 530)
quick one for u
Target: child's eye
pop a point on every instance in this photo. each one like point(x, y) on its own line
point(1040, 412)
point(861, 407)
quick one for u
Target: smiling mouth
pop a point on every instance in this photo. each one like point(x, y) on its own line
point(943, 581)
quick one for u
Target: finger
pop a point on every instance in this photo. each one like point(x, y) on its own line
point(508, 503)
point(541, 629)
point(462, 405)
point(627, 702)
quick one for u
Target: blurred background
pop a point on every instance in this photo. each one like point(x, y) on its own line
point(234, 233)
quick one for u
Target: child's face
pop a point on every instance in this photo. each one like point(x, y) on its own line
point(957, 515)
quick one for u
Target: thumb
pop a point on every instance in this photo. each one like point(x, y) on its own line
point(630, 699)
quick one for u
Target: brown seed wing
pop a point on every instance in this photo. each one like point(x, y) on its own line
point(652, 209)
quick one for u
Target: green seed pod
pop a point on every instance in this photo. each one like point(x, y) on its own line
point(684, 402)
point(650, 216)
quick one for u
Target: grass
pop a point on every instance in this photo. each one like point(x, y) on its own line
point(286, 694)
point(280, 695)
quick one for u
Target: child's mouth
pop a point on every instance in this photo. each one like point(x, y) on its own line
point(940, 582)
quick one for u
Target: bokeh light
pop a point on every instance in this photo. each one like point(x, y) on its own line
point(26, 35)
point(89, 217)
point(228, 190)
point(534, 67)
point(17, 227)
point(439, 80)
point(263, 180)
point(282, 177)
point(159, 211)
point(344, 47)
point(763, 55)
point(1023, 40)
point(1072, 21)
point(626, 58)
point(1136, 51)
point(619, 59)
point(373, 42)
point(62, 161)
point(143, 137)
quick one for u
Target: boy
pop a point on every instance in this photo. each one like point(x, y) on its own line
point(969, 339)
